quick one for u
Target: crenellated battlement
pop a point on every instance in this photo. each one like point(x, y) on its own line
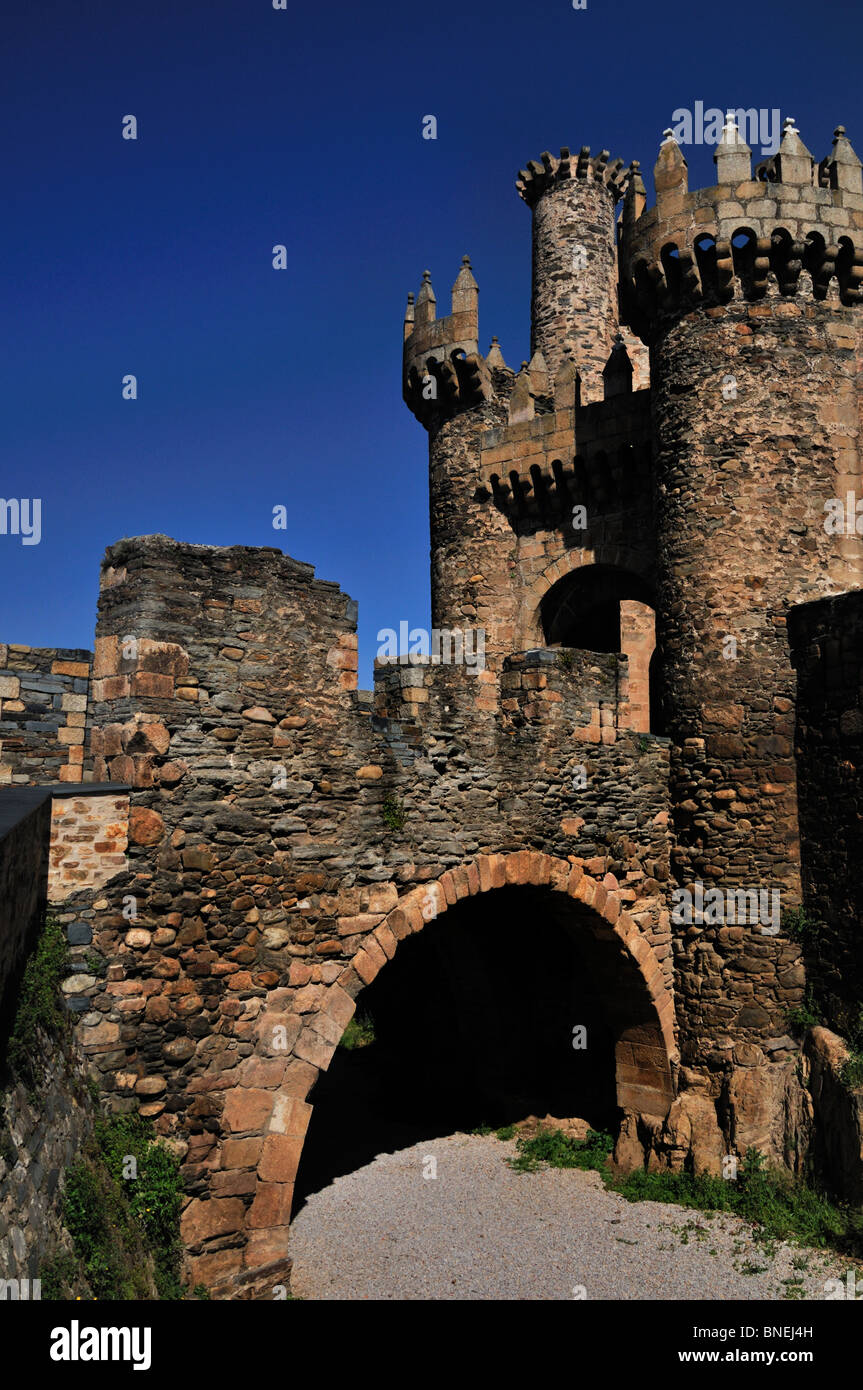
point(539, 469)
point(537, 178)
point(575, 347)
point(795, 219)
point(443, 371)
point(587, 693)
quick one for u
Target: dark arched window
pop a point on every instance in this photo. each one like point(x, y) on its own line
point(602, 608)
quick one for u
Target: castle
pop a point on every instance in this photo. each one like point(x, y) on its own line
point(669, 704)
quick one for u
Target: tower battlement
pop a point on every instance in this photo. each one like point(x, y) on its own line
point(796, 219)
point(537, 178)
point(574, 318)
point(574, 301)
point(441, 361)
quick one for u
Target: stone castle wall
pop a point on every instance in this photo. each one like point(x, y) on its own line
point(286, 832)
point(827, 647)
point(733, 562)
point(41, 1134)
point(265, 863)
point(25, 830)
point(751, 314)
point(44, 832)
point(517, 507)
point(43, 714)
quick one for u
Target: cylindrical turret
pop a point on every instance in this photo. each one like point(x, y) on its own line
point(746, 294)
point(574, 300)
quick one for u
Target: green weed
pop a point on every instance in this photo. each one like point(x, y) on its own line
point(393, 813)
point(851, 1073)
point(796, 923)
point(360, 1032)
point(40, 1006)
point(777, 1206)
point(553, 1149)
point(806, 1015)
point(95, 964)
point(123, 1217)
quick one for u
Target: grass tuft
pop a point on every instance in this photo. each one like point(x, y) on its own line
point(40, 1008)
point(777, 1205)
point(360, 1032)
point(121, 1207)
point(393, 813)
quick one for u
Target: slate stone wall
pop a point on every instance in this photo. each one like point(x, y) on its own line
point(278, 816)
point(41, 1130)
point(43, 715)
point(25, 831)
point(827, 650)
point(41, 1134)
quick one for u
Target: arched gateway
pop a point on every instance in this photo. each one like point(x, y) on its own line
point(268, 1112)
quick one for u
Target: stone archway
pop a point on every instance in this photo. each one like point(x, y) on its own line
point(606, 608)
point(267, 1113)
point(611, 556)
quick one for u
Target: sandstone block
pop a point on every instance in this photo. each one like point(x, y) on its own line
point(291, 1115)
point(151, 1086)
point(272, 1205)
point(204, 1220)
point(280, 1158)
point(247, 1109)
point(146, 827)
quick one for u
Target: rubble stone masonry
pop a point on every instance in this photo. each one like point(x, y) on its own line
point(634, 520)
point(827, 646)
point(43, 714)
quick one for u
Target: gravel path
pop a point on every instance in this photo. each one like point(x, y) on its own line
point(480, 1231)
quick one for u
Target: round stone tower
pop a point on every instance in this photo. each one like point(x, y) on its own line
point(502, 443)
point(747, 294)
point(574, 266)
point(454, 391)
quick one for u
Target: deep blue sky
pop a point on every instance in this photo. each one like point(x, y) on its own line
point(303, 127)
